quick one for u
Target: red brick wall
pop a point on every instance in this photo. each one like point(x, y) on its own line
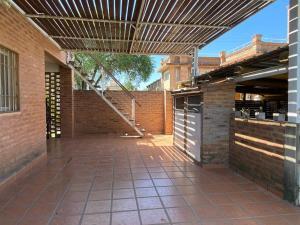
point(22, 134)
point(257, 151)
point(168, 113)
point(67, 102)
point(93, 115)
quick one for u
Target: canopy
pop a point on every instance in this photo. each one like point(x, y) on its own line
point(137, 26)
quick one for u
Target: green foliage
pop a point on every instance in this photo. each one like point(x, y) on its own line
point(130, 69)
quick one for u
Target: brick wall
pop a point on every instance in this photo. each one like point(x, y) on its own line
point(22, 134)
point(93, 115)
point(168, 113)
point(67, 102)
point(217, 109)
point(257, 151)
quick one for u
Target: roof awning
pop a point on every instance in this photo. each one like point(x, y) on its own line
point(137, 26)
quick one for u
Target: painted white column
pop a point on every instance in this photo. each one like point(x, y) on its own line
point(292, 146)
point(294, 63)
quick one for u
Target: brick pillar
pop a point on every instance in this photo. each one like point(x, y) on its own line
point(257, 42)
point(223, 57)
point(218, 104)
point(168, 113)
point(67, 102)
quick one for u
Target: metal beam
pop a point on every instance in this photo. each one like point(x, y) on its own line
point(195, 63)
point(123, 40)
point(277, 70)
point(41, 16)
point(137, 25)
point(83, 50)
point(186, 25)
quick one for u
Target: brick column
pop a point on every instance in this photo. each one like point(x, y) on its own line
point(218, 104)
point(168, 113)
point(67, 102)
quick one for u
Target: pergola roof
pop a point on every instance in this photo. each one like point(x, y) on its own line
point(137, 26)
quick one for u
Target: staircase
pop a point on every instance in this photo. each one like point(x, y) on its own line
point(125, 109)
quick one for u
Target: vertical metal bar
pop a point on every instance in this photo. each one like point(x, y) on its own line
point(195, 62)
point(133, 110)
point(5, 81)
point(12, 82)
point(14, 77)
point(9, 80)
point(18, 107)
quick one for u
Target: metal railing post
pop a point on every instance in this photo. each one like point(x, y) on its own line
point(133, 110)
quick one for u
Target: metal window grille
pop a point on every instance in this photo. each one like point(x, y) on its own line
point(9, 81)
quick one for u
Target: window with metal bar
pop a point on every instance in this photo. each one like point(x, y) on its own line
point(9, 81)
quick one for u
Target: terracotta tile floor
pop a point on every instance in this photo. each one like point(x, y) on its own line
point(113, 181)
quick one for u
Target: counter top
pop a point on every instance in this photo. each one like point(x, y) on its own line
point(262, 122)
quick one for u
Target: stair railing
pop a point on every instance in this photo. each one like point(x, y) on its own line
point(104, 72)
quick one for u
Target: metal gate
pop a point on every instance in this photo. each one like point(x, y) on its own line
point(53, 115)
point(188, 125)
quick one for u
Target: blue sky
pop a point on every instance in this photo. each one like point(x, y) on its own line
point(271, 22)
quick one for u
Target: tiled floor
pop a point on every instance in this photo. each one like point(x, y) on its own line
point(114, 181)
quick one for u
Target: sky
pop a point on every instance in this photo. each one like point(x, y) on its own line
point(271, 22)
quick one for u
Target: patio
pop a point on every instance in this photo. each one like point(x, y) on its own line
point(110, 180)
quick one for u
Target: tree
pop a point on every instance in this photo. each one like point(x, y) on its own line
point(131, 70)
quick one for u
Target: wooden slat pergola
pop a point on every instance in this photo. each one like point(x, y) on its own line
point(137, 26)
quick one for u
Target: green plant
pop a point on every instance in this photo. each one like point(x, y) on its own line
point(131, 70)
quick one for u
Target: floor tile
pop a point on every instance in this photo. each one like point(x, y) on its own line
point(149, 203)
point(98, 207)
point(65, 220)
point(124, 205)
point(71, 208)
point(96, 219)
point(167, 191)
point(146, 192)
point(127, 175)
point(100, 195)
point(154, 216)
point(125, 218)
point(143, 183)
point(162, 182)
point(173, 201)
point(178, 215)
point(123, 193)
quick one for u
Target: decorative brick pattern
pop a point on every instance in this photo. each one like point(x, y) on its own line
point(257, 151)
